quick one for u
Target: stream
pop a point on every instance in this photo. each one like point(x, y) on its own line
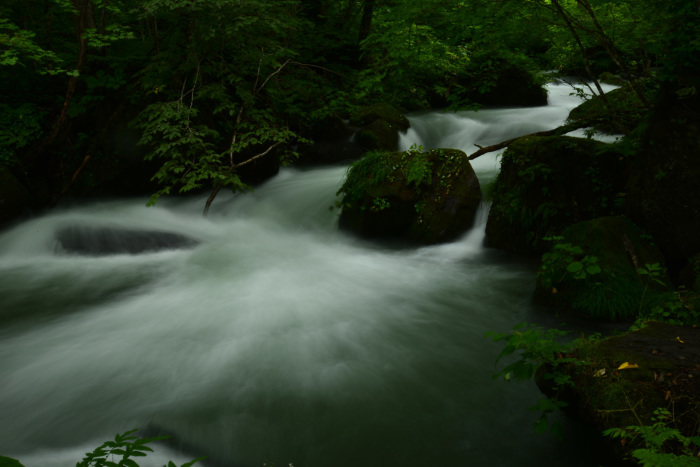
point(262, 334)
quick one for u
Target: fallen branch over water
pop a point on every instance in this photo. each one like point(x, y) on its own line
point(555, 132)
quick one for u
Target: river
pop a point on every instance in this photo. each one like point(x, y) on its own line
point(271, 336)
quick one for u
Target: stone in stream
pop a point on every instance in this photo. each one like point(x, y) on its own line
point(102, 241)
point(426, 197)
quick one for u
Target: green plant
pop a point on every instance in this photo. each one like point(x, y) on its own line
point(570, 258)
point(660, 440)
point(539, 348)
point(125, 445)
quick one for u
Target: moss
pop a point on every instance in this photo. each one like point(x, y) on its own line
point(625, 103)
point(423, 196)
point(606, 283)
point(540, 189)
point(665, 363)
point(667, 358)
point(380, 111)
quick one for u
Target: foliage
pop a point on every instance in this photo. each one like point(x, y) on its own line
point(539, 349)
point(125, 445)
point(19, 127)
point(660, 441)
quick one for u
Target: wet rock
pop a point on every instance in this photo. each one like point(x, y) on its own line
point(330, 144)
point(549, 183)
point(426, 197)
point(102, 241)
point(667, 371)
point(379, 127)
point(663, 184)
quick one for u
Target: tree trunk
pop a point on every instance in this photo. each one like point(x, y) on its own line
point(365, 27)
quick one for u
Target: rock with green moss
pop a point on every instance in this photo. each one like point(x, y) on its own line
point(604, 268)
point(664, 177)
point(626, 105)
point(661, 372)
point(379, 126)
point(426, 197)
point(497, 82)
point(549, 183)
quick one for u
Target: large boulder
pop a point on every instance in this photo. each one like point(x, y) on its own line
point(504, 84)
point(329, 143)
point(626, 105)
point(426, 197)
point(605, 268)
point(663, 366)
point(549, 183)
point(663, 184)
point(379, 127)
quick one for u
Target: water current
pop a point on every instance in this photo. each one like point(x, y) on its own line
point(270, 336)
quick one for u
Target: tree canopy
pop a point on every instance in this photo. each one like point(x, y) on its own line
point(207, 87)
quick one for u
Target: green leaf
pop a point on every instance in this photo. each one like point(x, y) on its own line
point(575, 267)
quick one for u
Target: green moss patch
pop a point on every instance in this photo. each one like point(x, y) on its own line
point(549, 183)
point(426, 197)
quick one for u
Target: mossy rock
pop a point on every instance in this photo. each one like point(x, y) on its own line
point(668, 368)
point(380, 111)
point(549, 183)
point(504, 84)
point(426, 197)
point(379, 127)
point(607, 77)
point(663, 183)
point(9, 462)
point(591, 270)
point(624, 101)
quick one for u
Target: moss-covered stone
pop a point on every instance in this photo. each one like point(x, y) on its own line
point(380, 111)
point(627, 106)
point(379, 126)
point(549, 183)
point(426, 197)
point(664, 175)
point(593, 269)
point(668, 360)
point(503, 84)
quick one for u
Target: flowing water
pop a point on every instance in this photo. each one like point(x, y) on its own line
point(266, 335)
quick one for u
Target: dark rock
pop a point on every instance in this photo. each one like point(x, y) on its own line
point(15, 199)
point(663, 184)
point(668, 360)
point(379, 127)
point(423, 197)
point(628, 108)
point(591, 270)
point(102, 241)
point(549, 183)
point(506, 85)
point(380, 111)
point(330, 144)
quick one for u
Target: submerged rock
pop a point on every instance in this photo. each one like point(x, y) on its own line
point(427, 197)
point(102, 241)
point(549, 183)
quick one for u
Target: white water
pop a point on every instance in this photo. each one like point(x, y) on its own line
point(277, 338)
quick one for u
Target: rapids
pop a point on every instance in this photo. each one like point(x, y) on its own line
point(266, 335)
